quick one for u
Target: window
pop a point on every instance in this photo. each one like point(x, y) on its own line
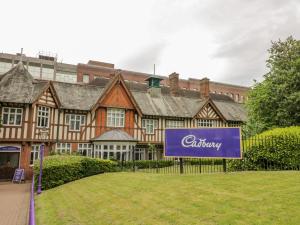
point(115, 117)
point(85, 149)
point(35, 153)
point(234, 124)
point(12, 116)
point(139, 154)
point(63, 148)
point(66, 77)
point(150, 125)
point(75, 121)
point(35, 71)
point(85, 78)
point(43, 116)
point(4, 67)
point(205, 123)
point(47, 73)
point(174, 123)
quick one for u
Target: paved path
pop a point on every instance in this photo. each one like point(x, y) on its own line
point(14, 203)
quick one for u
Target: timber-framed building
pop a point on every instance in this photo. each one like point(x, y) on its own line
point(107, 118)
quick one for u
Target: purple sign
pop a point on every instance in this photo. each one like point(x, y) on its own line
point(203, 142)
point(9, 149)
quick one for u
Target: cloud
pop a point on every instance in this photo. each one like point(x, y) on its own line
point(143, 59)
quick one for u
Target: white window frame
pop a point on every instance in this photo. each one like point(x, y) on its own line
point(206, 123)
point(85, 78)
point(115, 117)
point(17, 112)
point(150, 125)
point(73, 120)
point(63, 148)
point(85, 147)
point(34, 153)
point(43, 114)
point(174, 123)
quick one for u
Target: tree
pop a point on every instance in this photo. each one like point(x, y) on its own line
point(275, 102)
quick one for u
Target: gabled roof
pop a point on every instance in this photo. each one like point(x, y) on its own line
point(115, 135)
point(117, 78)
point(16, 85)
point(232, 111)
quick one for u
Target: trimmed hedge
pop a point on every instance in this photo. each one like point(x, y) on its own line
point(145, 164)
point(274, 149)
point(61, 169)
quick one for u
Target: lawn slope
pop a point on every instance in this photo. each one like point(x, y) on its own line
point(139, 198)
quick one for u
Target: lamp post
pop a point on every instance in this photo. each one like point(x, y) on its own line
point(43, 135)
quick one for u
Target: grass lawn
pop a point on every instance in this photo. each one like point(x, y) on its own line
point(140, 198)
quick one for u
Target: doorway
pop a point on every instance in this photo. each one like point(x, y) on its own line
point(9, 161)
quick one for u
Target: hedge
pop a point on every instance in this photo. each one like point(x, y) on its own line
point(145, 164)
point(274, 149)
point(61, 169)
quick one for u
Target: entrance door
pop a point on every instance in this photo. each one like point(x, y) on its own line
point(9, 161)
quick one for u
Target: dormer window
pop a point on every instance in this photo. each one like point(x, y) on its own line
point(75, 121)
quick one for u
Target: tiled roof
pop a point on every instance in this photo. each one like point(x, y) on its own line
point(17, 85)
point(115, 135)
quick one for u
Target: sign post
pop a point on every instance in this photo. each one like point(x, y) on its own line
point(223, 143)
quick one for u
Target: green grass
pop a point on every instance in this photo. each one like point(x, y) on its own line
point(154, 199)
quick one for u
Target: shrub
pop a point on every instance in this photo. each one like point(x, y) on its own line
point(144, 164)
point(274, 149)
point(61, 169)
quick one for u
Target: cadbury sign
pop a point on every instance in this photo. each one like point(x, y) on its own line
point(203, 142)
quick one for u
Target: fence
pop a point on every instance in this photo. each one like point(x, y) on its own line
point(260, 154)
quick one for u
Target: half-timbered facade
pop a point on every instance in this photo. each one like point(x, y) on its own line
point(105, 118)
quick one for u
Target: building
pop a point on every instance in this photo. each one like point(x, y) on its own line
point(106, 118)
point(46, 67)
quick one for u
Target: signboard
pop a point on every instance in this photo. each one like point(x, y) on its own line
point(18, 176)
point(9, 149)
point(203, 142)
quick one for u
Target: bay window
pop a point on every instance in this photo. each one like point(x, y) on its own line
point(85, 149)
point(63, 148)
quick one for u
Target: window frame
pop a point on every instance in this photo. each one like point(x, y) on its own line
point(69, 120)
point(34, 153)
point(205, 123)
point(43, 116)
point(15, 114)
point(175, 123)
point(113, 115)
point(66, 147)
point(146, 125)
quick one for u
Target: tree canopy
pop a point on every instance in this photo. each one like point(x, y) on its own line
point(275, 102)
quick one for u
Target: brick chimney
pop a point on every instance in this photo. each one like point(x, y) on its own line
point(174, 83)
point(204, 87)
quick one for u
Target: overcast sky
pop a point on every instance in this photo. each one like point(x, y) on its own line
point(226, 41)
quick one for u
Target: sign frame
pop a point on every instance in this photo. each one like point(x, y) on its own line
point(202, 157)
point(22, 177)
